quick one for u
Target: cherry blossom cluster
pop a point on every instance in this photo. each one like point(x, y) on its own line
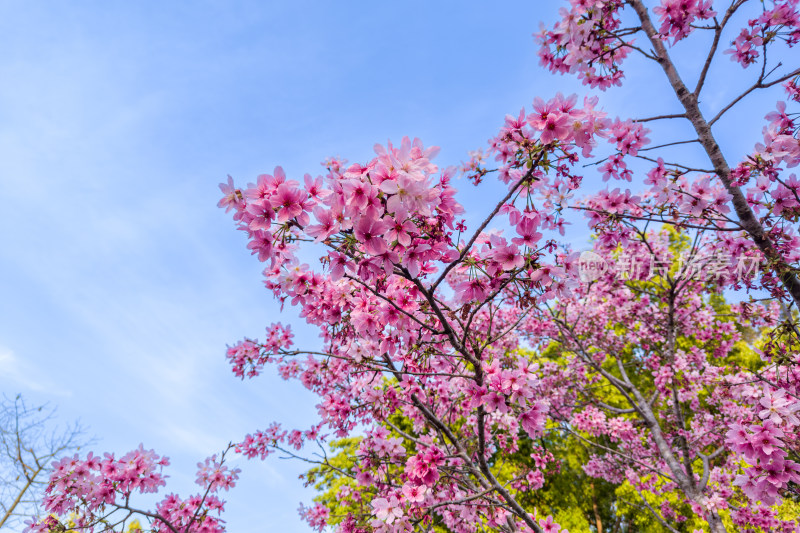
point(95, 493)
point(779, 20)
point(586, 42)
point(248, 357)
point(766, 443)
point(678, 16)
point(591, 41)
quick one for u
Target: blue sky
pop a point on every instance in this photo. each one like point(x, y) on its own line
point(121, 282)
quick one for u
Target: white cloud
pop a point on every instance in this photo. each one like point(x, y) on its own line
point(19, 374)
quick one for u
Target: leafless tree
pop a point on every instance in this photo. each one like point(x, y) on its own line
point(30, 440)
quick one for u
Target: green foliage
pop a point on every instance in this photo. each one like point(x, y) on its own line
point(333, 480)
point(575, 500)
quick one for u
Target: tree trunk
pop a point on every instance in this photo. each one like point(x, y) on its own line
point(595, 510)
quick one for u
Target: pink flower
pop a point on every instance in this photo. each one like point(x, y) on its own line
point(262, 215)
point(471, 290)
point(314, 187)
point(509, 257)
point(746, 46)
point(387, 510)
point(232, 197)
point(495, 402)
point(556, 127)
point(290, 202)
point(766, 439)
point(399, 231)
point(414, 493)
point(368, 231)
point(327, 224)
point(778, 408)
point(214, 475)
point(421, 468)
point(548, 525)
point(414, 257)
point(533, 420)
point(528, 236)
point(739, 439)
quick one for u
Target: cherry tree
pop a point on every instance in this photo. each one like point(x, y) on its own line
point(450, 348)
point(422, 316)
